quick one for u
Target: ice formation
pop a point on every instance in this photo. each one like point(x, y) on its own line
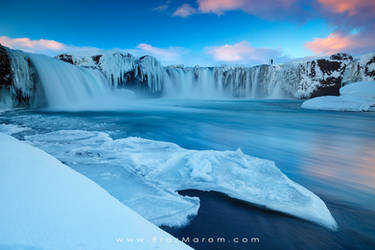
point(298, 79)
point(47, 205)
point(154, 171)
point(358, 96)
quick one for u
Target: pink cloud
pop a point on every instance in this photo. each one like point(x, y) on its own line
point(31, 45)
point(184, 10)
point(341, 42)
point(354, 26)
point(332, 44)
point(352, 7)
point(41, 46)
point(242, 52)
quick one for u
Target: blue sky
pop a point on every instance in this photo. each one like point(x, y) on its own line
point(206, 32)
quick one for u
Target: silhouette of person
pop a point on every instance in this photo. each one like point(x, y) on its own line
point(271, 61)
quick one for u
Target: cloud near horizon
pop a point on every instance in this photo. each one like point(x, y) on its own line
point(165, 55)
point(242, 53)
point(52, 48)
point(41, 46)
point(28, 45)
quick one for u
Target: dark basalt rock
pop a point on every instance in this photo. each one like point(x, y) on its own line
point(331, 85)
point(20, 97)
point(312, 69)
point(341, 57)
point(96, 58)
point(367, 71)
point(5, 68)
point(328, 67)
point(66, 58)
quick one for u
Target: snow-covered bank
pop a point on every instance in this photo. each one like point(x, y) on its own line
point(47, 205)
point(358, 96)
point(155, 170)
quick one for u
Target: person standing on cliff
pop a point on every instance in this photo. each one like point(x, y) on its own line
point(271, 61)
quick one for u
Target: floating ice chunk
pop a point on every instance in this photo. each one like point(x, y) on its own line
point(358, 96)
point(167, 168)
point(47, 205)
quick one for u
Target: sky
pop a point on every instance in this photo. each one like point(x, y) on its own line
point(192, 32)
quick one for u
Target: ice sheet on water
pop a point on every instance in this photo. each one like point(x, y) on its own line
point(152, 172)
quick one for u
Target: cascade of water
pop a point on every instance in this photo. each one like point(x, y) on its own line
point(255, 82)
point(65, 84)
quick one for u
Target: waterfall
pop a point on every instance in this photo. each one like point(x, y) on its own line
point(42, 81)
point(85, 78)
point(223, 82)
point(66, 85)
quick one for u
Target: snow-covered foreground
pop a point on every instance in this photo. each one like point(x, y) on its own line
point(146, 174)
point(47, 205)
point(358, 96)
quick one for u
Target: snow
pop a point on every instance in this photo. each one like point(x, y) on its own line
point(156, 170)
point(47, 205)
point(358, 96)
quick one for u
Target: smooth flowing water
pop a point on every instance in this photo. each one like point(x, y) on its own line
point(330, 153)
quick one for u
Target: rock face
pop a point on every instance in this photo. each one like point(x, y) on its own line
point(328, 74)
point(18, 79)
point(5, 69)
point(306, 79)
